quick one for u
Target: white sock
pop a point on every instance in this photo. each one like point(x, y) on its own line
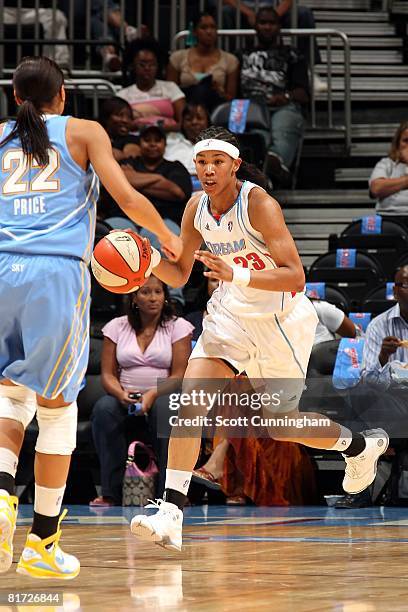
point(344, 440)
point(48, 501)
point(178, 480)
point(8, 462)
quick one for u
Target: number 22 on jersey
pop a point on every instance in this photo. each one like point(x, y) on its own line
point(17, 166)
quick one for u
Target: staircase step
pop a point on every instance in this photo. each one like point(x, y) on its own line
point(359, 56)
point(312, 246)
point(399, 8)
point(343, 215)
point(320, 231)
point(366, 70)
point(372, 83)
point(380, 130)
point(325, 199)
point(360, 29)
point(365, 42)
point(349, 5)
point(367, 96)
point(351, 16)
point(343, 175)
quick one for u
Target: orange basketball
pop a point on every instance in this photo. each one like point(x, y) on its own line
point(121, 262)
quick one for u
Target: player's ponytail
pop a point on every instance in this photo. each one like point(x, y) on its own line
point(247, 171)
point(36, 81)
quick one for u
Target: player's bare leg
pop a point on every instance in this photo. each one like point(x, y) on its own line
point(42, 556)
point(17, 408)
point(360, 450)
point(165, 527)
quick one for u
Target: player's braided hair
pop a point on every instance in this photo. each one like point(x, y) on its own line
point(36, 81)
point(246, 172)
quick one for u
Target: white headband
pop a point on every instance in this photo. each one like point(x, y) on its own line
point(213, 144)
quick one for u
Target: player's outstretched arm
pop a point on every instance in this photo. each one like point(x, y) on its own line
point(177, 273)
point(138, 208)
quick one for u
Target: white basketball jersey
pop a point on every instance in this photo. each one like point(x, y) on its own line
point(233, 238)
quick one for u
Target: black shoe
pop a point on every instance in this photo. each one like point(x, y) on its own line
point(360, 500)
point(275, 169)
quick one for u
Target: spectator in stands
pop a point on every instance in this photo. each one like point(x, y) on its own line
point(206, 73)
point(275, 74)
point(54, 26)
point(116, 117)
point(111, 59)
point(146, 344)
point(332, 321)
point(305, 20)
point(166, 183)
point(151, 99)
point(381, 398)
point(179, 146)
point(389, 180)
point(386, 340)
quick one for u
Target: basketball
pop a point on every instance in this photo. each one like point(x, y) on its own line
point(121, 262)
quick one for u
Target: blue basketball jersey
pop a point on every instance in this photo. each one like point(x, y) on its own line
point(46, 210)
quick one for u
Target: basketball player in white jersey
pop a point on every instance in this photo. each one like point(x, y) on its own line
point(49, 185)
point(259, 321)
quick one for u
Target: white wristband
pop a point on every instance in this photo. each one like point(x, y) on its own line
point(241, 276)
point(156, 257)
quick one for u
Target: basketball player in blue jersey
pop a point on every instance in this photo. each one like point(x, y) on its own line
point(49, 187)
point(259, 321)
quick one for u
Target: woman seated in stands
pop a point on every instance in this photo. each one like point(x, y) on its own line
point(179, 145)
point(389, 179)
point(206, 73)
point(152, 100)
point(116, 117)
point(147, 344)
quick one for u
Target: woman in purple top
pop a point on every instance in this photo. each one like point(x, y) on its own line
point(146, 344)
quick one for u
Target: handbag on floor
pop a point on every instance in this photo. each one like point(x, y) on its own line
point(138, 483)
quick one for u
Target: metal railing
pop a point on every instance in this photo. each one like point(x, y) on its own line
point(94, 89)
point(82, 25)
point(312, 34)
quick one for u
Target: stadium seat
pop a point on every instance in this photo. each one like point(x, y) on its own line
point(376, 300)
point(253, 147)
point(354, 281)
point(333, 295)
point(320, 395)
point(387, 245)
point(403, 261)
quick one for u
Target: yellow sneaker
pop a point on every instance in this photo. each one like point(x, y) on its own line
point(38, 561)
point(8, 520)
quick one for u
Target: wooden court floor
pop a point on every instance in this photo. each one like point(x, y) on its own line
point(309, 559)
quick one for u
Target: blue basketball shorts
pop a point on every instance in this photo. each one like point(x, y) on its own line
point(44, 323)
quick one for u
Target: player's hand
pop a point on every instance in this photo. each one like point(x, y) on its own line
point(171, 246)
point(156, 257)
point(217, 267)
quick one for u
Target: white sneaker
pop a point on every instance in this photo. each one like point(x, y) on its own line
point(362, 469)
point(163, 528)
